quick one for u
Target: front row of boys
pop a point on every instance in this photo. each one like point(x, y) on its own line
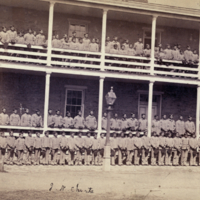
point(161, 150)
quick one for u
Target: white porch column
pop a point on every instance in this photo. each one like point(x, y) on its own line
point(199, 53)
point(153, 37)
point(197, 111)
point(100, 109)
point(150, 107)
point(50, 30)
point(103, 38)
point(46, 99)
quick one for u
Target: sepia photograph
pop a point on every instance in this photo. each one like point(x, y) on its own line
point(99, 100)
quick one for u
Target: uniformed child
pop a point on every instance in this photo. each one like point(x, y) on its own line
point(56, 43)
point(93, 47)
point(29, 37)
point(115, 43)
point(154, 149)
point(143, 123)
point(4, 36)
point(162, 149)
point(114, 148)
point(131, 51)
point(12, 35)
point(169, 148)
point(122, 146)
point(156, 125)
point(86, 42)
point(126, 44)
point(171, 125)
point(79, 121)
point(91, 122)
point(20, 147)
point(139, 47)
point(63, 40)
point(26, 119)
point(193, 144)
point(40, 38)
point(88, 148)
point(188, 55)
point(46, 147)
point(72, 148)
point(115, 123)
point(95, 150)
point(184, 150)
point(3, 146)
point(14, 118)
point(68, 121)
point(50, 119)
point(58, 120)
point(123, 51)
point(36, 119)
point(190, 126)
point(180, 126)
point(104, 121)
point(168, 53)
point(4, 118)
point(37, 148)
point(133, 123)
point(177, 149)
point(164, 124)
point(124, 123)
point(55, 146)
point(137, 141)
point(29, 144)
point(63, 148)
point(20, 38)
point(195, 57)
point(79, 143)
point(102, 141)
point(146, 146)
point(10, 148)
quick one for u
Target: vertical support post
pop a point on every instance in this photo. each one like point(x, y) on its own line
point(150, 107)
point(153, 37)
point(50, 30)
point(103, 38)
point(199, 53)
point(46, 99)
point(197, 111)
point(100, 109)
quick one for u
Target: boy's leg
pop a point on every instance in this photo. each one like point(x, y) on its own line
point(119, 157)
point(136, 159)
point(152, 157)
point(53, 156)
point(8, 156)
point(166, 158)
point(86, 157)
point(21, 157)
point(195, 159)
point(143, 157)
point(170, 157)
point(175, 158)
point(182, 157)
point(185, 157)
point(36, 155)
point(128, 157)
point(72, 157)
point(160, 157)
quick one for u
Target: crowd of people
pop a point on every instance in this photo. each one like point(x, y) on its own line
point(113, 46)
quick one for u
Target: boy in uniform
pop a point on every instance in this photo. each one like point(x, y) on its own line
point(154, 148)
point(177, 149)
point(58, 120)
point(180, 126)
point(139, 47)
point(189, 126)
point(121, 148)
point(20, 147)
point(72, 148)
point(195, 57)
point(114, 148)
point(4, 36)
point(50, 119)
point(130, 149)
point(15, 118)
point(40, 38)
point(79, 121)
point(20, 39)
point(79, 142)
point(143, 123)
point(36, 119)
point(63, 148)
point(145, 148)
point(156, 125)
point(68, 121)
point(10, 147)
point(137, 141)
point(188, 55)
point(4, 118)
point(131, 51)
point(95, 149)
point(3, 145)
point(102, 141)
point(193, 143)
point(162, 145)
point(12, 35)
point(169, 147)
point(37, 148)
point(26, 119)
point(147, 51)
point(133, 122)
point(87, 146)
point(91, 122)
point(104, 121)
point(115, 123)
point(46, 146)
point(184, 150)
point(171, 125)
point(29, 37)
point(55, 146)
point(93, 46)
point(86, 42)
point(164, 124)
point(115, 43)
point(56, 43)
point(29, 144)
point(168, 53)
point(124, 123)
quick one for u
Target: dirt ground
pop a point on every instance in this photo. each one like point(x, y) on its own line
point(124, 183)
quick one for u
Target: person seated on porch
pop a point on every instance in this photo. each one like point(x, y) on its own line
point(12, 35)
point(20, 38)
point(123, 51)
point(147, 51)
point(126, 44)
point(190, 126)
point(133, 122)
point(91, 122)
point(115, 123)
point(124, 123)
point(195, 57)
point(36, 119)
point(131, 51)
point(168, 53)
point(139, 47)
point(143, 123)
point(63, 40)
point(4, 35)
point(175, 53)
point(115, 43)
point(188, 56)
point(104, 121)
point(29, 37)
point(93, 47)
point(58, 120)
point(86, 42)
point(40, 38)
point(56, 43)
point(68, 121)
point(156, 125)
point(79, 121)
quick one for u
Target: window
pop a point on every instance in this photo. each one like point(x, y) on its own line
point(74, 100)
point(80, 26)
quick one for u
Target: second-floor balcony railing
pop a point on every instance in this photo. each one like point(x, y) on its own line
point(66, 58)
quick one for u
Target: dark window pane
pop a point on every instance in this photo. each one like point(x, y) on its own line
point(78, 108)
point(74, 94)
point(74, 101)
point(69, 93)
point(144, 97)
point(73, 109)
point(79, 94)
point(78, 102)
point(69, 101)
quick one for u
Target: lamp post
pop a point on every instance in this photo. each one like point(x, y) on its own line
point(110, 100)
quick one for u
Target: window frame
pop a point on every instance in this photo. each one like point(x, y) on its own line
point(76, 88)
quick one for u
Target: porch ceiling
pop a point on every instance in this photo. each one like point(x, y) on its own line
point(94, 12)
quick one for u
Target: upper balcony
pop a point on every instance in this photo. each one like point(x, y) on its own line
point(84, 48)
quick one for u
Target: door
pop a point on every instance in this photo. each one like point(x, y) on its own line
point(143, 109)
